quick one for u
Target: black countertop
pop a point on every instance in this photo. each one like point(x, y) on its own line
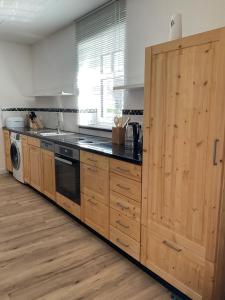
point(90, 143)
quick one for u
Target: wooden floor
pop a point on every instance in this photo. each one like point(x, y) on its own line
point(44, 254)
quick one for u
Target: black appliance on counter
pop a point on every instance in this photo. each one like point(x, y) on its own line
point(136, 136)
point(67, 170)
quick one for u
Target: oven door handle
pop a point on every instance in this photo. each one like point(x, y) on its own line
point(64, 160)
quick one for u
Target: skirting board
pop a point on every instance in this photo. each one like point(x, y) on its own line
point(3, 172)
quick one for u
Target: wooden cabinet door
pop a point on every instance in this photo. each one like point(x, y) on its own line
point(184, 139)
point(35, 168)
point(96, 215)
point(7, 142)
point(95, 182)
point(48, 173)
point(26, 159)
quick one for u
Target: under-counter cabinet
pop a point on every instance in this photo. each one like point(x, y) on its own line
point(35, 163)
point(95, 191)
point(183, 219)
point(26, 159)
point(7, 143)
point(38, 166)
point(125, 206)
point(48, 173)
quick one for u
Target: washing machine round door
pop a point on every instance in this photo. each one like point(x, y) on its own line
point(15, 156)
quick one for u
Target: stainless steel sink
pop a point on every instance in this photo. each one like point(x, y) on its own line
point(55, 133)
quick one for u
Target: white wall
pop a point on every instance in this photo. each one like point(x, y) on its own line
point(54, 62)
point(148, 24)
point(15, 81)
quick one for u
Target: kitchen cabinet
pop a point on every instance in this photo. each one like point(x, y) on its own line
point(26, 159)
point(125, 206)
point(7, 142)
point(48, 173)
point(96, 214)
point(182, 217)
point(95, 182)
point(95, 191)
point(68, 205)
point(35, 163)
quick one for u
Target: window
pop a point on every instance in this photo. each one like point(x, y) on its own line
point(100, 49)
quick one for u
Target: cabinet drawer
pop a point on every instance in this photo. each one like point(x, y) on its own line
point(127, 187)
point(96, 215)
point(124, 242)
point(94, 160)
point(128, 207)
point(125, 224)
point(95, 183)
point(33, 142)
point(129, 170)
point(174, 262)
point(68, 205)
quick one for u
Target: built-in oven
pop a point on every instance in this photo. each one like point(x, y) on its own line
point(67, 169)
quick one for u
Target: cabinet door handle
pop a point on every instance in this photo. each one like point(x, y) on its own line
point(92, 160)
point(215, 152)
point(121, 243)
point(92, 170)
point(92, 202)
point(171, 246)
point(123, 187)
point(122, 170)
point(121, 224)
point(122, 206)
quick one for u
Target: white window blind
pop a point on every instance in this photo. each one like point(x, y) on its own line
point(100, 50)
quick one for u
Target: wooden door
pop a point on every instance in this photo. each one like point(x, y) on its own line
point(183, 152)
point(26, 159)
point(48, 173)
point(7, 142)
point(95, 182)
point(35, 168)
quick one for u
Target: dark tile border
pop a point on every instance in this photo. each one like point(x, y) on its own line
point(133, 112)
point(92, 127)
point(137, 112)
point(63, 110)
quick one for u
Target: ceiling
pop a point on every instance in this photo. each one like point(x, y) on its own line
point(27, 21)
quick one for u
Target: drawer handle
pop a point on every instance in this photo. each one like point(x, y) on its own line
point(92, 202)
point(123, 187)
point(92, 170)
point(123, 170)
point(215, 152)
point(92, 160)
point(121, 224)
point(122, 206)
point(121, 243)
point(171, 246)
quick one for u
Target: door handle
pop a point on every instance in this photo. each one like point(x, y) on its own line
point(123, 187)
point(122, 243)
point(215, 152)
point(171, 246)
point(121, 224)
point(64, 161)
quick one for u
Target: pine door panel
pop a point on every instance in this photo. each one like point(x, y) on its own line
point(181, 113)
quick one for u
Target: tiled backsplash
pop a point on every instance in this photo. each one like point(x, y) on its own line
point(38, 109)
point(71, 117)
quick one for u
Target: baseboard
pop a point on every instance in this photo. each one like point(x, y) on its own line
point(3, 172)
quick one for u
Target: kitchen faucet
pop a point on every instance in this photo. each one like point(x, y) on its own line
point(58, 123)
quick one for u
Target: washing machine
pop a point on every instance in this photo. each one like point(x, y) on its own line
point(17, 156)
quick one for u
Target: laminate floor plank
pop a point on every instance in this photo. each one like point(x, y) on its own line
point(46, 255)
